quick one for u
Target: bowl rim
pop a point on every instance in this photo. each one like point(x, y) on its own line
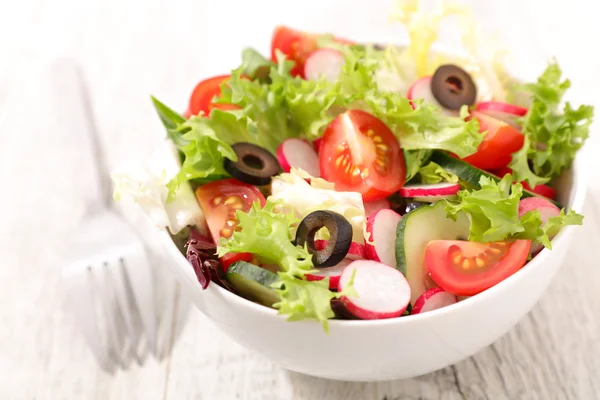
point(578, 192)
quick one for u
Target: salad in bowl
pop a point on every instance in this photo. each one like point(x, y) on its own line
point(339, 180)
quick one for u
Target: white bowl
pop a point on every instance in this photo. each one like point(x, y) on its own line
point(384, 349)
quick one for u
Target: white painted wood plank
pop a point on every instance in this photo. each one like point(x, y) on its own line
point(42, 172)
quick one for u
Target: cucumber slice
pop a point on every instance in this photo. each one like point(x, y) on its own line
point(253, 282)
point(469, 174)
point(415, 230)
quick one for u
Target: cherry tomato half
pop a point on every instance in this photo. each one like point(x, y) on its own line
point(467, 268)
point(359, 153)
point(296, 45)
point(220, 200)
point(501, 140)
point(203, 94)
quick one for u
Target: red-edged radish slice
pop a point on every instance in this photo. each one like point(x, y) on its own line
point(357, 251)
point(503, 111)
point(546, 209)
point(324, 62)
point(421, 89)
point(371, 207)
point(334, 273)
point(432, 300)
point(382, 227)
point(382, 291)
point(430, 192)
point(298, 154)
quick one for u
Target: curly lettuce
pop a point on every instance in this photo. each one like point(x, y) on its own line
point(494, 214)
point(267, 233)
point(434, 173)
point(552, 136)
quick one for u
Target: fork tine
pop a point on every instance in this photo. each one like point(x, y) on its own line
point(131, 310)
point(78, 287)
point(109, 311)
point(127, 312)
point(142, 288)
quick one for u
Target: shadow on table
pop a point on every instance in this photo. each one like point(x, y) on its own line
point(433, 386)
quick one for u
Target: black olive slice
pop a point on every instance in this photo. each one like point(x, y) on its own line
point(411, 205)
point(340, 237)
point(453, 87)
point(254, 166)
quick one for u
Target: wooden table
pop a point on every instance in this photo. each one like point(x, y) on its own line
point(129, 50)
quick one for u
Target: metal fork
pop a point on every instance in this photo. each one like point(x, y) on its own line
point(108, 277)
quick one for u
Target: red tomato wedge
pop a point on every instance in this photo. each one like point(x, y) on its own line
point(542, 190)
point(220, 200)
point(359, 153)
point(296, 45)
point(467, 268)
point(203, 94)
point(501, 140)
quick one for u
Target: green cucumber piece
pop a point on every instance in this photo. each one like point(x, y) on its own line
point(253, 282)
point(415, 230)
point(470, 175)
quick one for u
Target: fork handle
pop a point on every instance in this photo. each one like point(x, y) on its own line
point(75, 114)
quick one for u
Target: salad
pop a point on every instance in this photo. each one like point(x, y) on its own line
point(338, 179)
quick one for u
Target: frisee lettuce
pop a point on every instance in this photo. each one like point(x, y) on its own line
point(267, 233)
point(552, 136)
point(481, 56)
point(494, 214)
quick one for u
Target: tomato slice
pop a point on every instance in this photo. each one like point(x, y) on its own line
point(231, 258)
point(296, 45)
point(220, 200)
point(467, 268)
point(541, 189)
point(203, 94)
point(359, 153)
point(501, 140)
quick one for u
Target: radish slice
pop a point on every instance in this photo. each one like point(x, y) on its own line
point(371, 207)
point(421, 89)
point(546, 209)
point(357, 251)
point(334, 273)
point(432, 300)
point(382, 227)
point(298, 154)
point(502, 111)
point(430, 192)
point(324, 62)
point(382, 291)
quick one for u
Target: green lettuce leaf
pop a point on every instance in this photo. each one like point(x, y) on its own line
point(253, 63)
point(553, 136)
point(433, 173)
point(414, 160)
point(493, 209)
point(267, 234)
point(494, 214)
